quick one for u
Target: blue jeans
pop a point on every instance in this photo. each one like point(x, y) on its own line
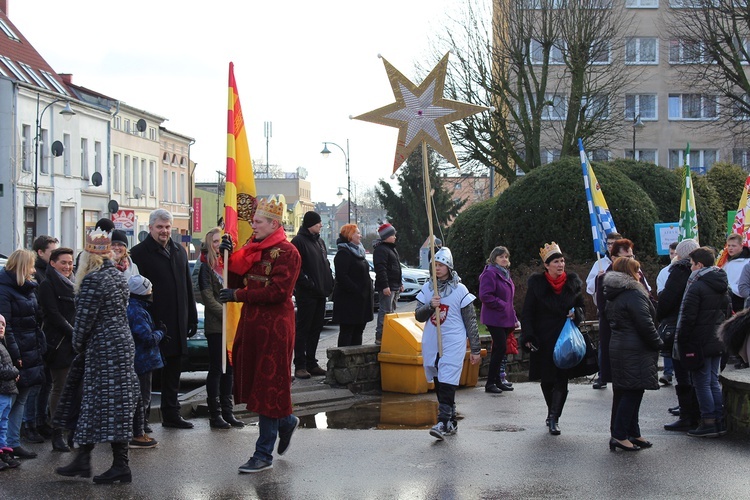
point(269, 430)
point(707, 388)
point(668, 366)
point(387, 306)
point(16, 417)
point(6, 402)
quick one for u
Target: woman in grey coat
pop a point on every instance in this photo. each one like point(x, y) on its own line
point(110, 386)
point(633, 351)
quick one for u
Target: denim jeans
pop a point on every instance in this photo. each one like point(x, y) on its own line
point(16, 417)
point(6, 402)
point(707, 388)
point(387, 306)
point(269, 430)
point(668, 366)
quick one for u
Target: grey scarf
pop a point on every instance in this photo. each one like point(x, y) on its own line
point(357, 250)
point(446, 287)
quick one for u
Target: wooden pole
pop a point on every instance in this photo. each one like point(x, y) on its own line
point(225, 310)
point(428, 196)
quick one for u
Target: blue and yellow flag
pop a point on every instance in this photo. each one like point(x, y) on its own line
point(602, 223)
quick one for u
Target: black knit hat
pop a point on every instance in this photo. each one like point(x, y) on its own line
point(119, 237)
point(105, 224)
point(310, 219)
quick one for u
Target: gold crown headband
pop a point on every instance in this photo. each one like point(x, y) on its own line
point(270, 208)
point(549, 249)
point(98, 242)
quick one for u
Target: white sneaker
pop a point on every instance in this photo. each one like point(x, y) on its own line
point(438, 431)
point(451, 428)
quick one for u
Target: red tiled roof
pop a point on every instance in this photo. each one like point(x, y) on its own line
point(22, 51)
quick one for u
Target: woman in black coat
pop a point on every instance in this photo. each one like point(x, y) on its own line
point(550, 297)
point(352, 294)
point(25, 339)
point(633, 351)
point(57, 301)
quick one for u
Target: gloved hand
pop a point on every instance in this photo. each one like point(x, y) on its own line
point(227, 295)
point(192, 329)
point(161, 326)
point(226, 244)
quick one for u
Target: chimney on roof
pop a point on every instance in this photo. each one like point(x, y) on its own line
point(66, 77)
point(4, 6)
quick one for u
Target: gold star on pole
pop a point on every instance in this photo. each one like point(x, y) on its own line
point(421, 113)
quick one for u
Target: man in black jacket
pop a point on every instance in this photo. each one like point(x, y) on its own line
point(314, 285)
point(43, 246)
point(165, 264)
point(387, 274)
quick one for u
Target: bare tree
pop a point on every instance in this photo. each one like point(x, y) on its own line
point(553, 70)
point(710, 44)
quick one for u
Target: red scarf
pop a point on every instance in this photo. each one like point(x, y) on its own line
point(556, 283)
point(242, 260)
point(123, 265)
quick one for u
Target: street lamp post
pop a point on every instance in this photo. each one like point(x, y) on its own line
point(325, 154)
point(637, 125)
point(356, 207)
point(68, 113)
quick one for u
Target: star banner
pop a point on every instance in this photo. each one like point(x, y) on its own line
point(421, 113)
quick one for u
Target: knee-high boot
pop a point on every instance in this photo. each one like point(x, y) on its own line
point(81, 465)
point(227, 405)
point(120, 470)
point(558, 401)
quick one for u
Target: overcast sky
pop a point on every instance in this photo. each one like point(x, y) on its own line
point(304, 66)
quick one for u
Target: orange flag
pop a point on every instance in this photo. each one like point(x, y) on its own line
point(239, 194)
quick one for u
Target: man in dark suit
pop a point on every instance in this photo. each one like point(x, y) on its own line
point(165, 264)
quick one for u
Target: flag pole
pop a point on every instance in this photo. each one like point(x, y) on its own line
point(428, 197)
point(224, 306)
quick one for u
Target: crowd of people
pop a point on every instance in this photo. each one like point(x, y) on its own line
point(81, 336)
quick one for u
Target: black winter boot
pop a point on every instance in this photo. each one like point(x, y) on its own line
point(120, 471)
point(81, 465)
point(58, 440)
point(214, 411)
point(558, 402)
point(689, 413)
point(32, 436)
point(227, 405)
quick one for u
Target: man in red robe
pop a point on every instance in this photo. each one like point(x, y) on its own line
point(262, 275)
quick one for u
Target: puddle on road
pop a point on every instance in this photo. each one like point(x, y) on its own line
point(390, 412)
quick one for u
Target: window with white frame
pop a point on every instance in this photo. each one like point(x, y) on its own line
point(693, 107)
point(126, 126)
point(43, 158)
point(536, 50)
point(740, 110)
point(142, 185)
point(183, 162)
point(26, 148)
point(596, 107)
point(152, 178)
point(640, 104)
point(599, 155)
point(690, 4)
point(116, 160)
point(183, 190)
point(8, 32)
point(544, 4)
point(165, 158)
point(600, 52)
point(14, 69)
point(117, 122)
point(687, 52)
point(152, 133)
point(550, 155)
point(642, 50)
point(51, 79)
point(126, 171)
point(174, 187)
point(28, 69)
point(555, 108)
point(67, 167)
point(647, 155)
point(165, 185)
point(741, 157)
point(136, 171)
point(97, 156)
point(84, 158)
point(642, 4)
point(701, 160)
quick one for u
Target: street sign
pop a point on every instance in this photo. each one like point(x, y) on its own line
point(124, 220)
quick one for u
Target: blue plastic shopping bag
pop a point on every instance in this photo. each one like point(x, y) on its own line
point(570, 348)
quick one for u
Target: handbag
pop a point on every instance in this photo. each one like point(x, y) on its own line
point(590, 363)
point(570, 347)
point(511, 343)
point(51, 352)
point(666, 333)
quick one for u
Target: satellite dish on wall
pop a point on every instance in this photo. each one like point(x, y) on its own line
point(141, 125)
point(137, 193)
point(57, 149)
point(113, 206)
point(96, 179)
point(142, 235)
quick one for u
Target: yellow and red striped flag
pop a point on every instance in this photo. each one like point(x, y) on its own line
point(741, 223)
point(239, 194)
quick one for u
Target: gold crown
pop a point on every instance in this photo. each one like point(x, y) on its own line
point(548, 250)
point(98, 242)
point(270, 208)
